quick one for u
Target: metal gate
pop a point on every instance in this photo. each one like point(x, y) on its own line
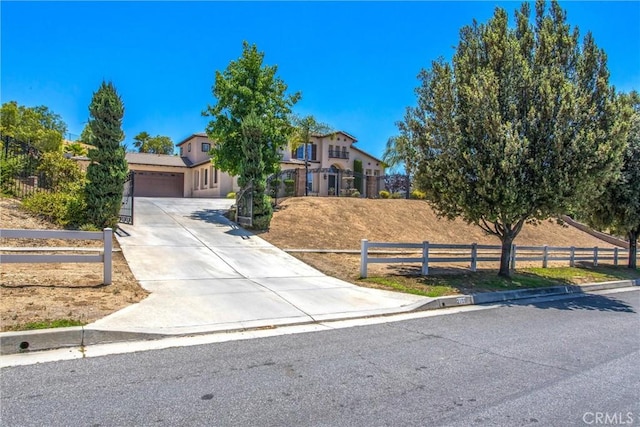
point(126, 210)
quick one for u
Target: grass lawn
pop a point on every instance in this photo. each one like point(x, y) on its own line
point(465, 282)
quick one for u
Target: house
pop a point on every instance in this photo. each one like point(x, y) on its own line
point(330, 160)
point(331, 167)
point(190, 174)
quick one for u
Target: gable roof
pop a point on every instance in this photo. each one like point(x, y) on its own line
point(190, 137)
point(157, 160)
point(365, 153)
point(329, 134)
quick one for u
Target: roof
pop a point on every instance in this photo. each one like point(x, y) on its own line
point(364, 152)
point(322, 135)
point(190, 137)
point(157, 160)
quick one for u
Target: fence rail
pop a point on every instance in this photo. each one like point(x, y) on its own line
point(105, 257)
point(432, 253)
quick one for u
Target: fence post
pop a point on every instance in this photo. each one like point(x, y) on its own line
point(107, 255)
point(545, 256)
point(474, 256)
point(364, 254)
point(572, 257)
point(595, 256)
point(513, 256)
point(615, 256)
point(425, 258)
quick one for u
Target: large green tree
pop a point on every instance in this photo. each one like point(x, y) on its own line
point(37, 126)
point(246, 86)
point(618, 209)
point(304, 127)
point(520, 126)
point(108, 168)
point(158, 144)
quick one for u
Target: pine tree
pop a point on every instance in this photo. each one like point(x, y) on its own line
point(108, 168)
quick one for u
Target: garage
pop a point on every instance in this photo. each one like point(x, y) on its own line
point(158, 184)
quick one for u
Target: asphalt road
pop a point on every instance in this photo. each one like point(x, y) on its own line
point(566, 362)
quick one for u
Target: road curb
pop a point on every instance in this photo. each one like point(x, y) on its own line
point(502, 296)
point(79, 336)
point(76, 336)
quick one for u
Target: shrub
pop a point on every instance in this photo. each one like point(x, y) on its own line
point(355, 194)
point(288, 187)
point(61, 174)
point(384, 194)
point(262, 219)
point(65, 209)
point(9, 169)
point(396, 195)
point(231, 195)
point(417, 194)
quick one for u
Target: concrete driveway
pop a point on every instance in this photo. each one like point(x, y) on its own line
point(205, 274)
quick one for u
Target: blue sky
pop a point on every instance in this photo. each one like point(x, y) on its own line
point(354, 62)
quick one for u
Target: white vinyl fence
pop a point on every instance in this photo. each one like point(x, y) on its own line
point(104, 256)
point(432, 253)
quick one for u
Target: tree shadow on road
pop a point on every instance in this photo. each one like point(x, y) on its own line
point(579, 302)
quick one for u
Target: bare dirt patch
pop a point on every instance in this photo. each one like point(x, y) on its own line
point(341, 223)
point(43, 292)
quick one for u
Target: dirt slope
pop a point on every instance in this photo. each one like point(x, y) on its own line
point(340, 223)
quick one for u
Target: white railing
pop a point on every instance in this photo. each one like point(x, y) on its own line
point(105, 255)
point(431, 253)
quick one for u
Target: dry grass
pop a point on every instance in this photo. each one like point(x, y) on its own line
point(44, 292)
point(341, 223)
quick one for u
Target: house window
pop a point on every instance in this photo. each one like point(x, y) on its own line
point(311, 152)
point(368, 172)
point(215, 176)
point(196, 177)
point(206, 177)
point(181, 148)
point(189, 147)
point(376, 172)
point(206, 147)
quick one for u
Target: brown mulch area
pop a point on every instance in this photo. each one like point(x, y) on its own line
point(44, 292)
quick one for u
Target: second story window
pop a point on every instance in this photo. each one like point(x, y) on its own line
point(311, 153)
point(189, 147)
point(206, 147)
point(181, 149)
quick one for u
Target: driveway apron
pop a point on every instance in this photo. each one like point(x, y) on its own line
point(206, 274)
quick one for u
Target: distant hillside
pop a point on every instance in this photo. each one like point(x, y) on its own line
point(340, 223)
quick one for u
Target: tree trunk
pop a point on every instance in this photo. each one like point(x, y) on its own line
point(505, 256)
point(633, 248)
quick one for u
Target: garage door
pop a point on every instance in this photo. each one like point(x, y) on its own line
point(158, 184)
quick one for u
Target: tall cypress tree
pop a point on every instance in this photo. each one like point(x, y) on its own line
point(108, 169)
point(253, 170)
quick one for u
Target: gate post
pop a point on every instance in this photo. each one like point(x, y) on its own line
point(107, 255)
point(364, 254)
point(425, 258)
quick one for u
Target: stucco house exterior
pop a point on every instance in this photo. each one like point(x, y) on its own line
point(330, 161)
